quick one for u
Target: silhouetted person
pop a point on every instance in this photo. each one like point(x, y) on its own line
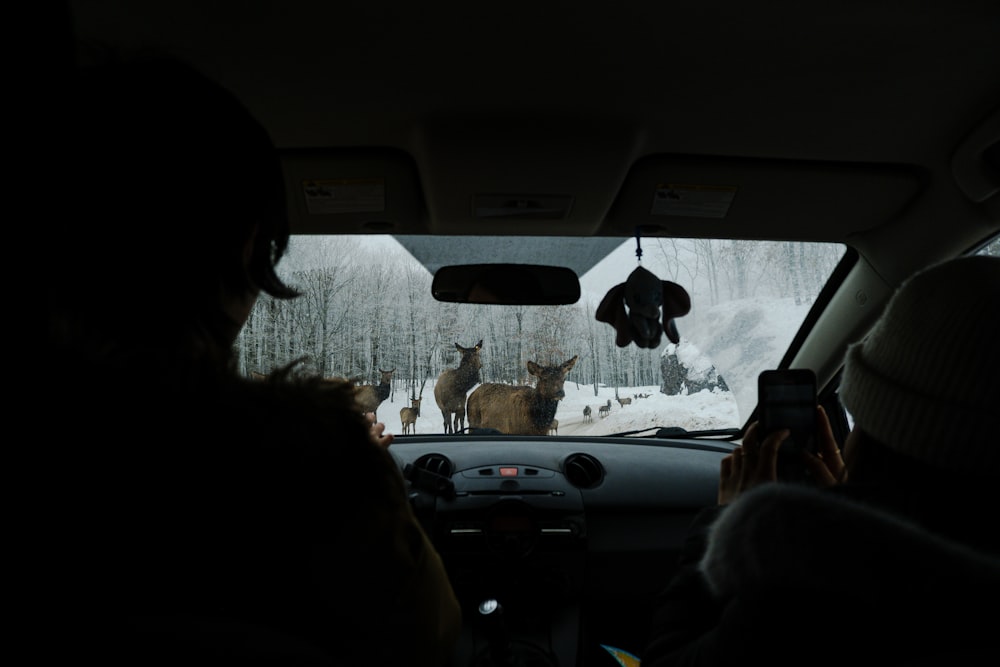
point(208, 514)
point(897, 560)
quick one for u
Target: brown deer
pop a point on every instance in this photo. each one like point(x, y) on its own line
point(521, 410)
point(370, 396)
point(554, 427)
point(408, 416)
point(587, 412)
point(604, 410)
point(624, 401)
point(454, 383)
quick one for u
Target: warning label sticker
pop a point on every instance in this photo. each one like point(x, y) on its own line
point(344, 195)
point(699, 201)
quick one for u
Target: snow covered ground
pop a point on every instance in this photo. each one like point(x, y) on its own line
point(701, 411)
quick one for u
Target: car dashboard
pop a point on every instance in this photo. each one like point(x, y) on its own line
point(555, 546)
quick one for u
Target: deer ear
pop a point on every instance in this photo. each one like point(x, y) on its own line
point(572, 362)
point(479, 345)
point(533, 368)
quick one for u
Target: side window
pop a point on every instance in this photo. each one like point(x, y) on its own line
point(992, 248)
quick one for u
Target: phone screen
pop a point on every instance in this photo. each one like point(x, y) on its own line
point(787, 399)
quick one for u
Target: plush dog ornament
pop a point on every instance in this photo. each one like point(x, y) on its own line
point(644, 295)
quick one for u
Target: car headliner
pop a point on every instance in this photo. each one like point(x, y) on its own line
point(830, 120)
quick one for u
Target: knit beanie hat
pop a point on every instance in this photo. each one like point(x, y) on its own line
point(926, 380)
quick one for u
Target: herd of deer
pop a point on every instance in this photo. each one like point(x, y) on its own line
point(605, 409)
point(503, 408)
point(508, 409)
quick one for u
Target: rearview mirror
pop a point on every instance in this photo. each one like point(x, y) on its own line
point(506, 284)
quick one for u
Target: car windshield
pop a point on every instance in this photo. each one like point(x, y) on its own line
point(367, 313)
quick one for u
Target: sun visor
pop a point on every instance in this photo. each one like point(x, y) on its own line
point(694, 196)
point(353, 191)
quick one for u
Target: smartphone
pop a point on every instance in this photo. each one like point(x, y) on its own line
point(787, 399)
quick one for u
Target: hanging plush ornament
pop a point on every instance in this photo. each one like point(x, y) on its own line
point(643, 307)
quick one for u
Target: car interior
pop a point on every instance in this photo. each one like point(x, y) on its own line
point(516, 183)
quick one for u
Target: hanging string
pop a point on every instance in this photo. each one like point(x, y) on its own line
point(638, 245)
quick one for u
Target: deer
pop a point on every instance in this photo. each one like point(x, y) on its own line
point(408, 416)
point(454, 383)
point(370, 396)
point(554, 427)
point(624, 401)
point(605, 409)
point(587, 414)
point(521, 409)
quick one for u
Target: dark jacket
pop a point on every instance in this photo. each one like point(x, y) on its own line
point(250, 520)
point(789, 575)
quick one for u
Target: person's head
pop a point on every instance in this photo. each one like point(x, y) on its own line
point(923, 387)
point(175, 215)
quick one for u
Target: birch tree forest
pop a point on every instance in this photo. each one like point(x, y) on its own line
point(365, 309)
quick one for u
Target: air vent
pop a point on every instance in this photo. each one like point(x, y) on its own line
point(431, 473)
point(583, 471)
point(439, 464)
